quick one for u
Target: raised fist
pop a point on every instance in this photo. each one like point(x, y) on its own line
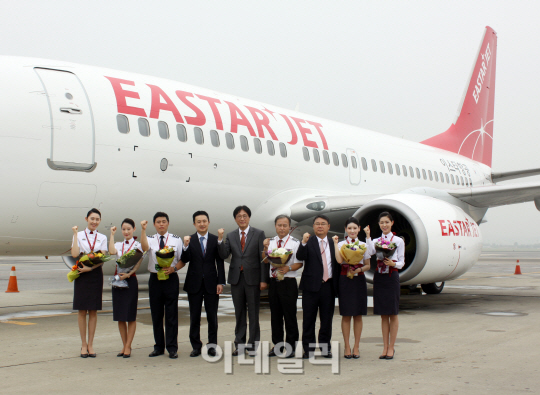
point(220, 233)
point(305, 238)
point(75, 229)
point(186, 240)
point(266, 244)
point(366, 229)
point(144, 224)
point(113, 230)
point(336, 239)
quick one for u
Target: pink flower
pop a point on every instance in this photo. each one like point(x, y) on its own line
point(385, 246)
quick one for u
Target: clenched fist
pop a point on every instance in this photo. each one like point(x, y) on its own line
point(75, 229)
point(220, 233)
point(266, 244)
point(305, 238)
point(186, 240)
point(336, 239)
point(144, 224)
point(113, 230)
point(368, 234)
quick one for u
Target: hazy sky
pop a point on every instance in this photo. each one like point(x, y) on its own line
point(395, 67)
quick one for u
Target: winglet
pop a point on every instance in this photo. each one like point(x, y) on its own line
point(471, 135)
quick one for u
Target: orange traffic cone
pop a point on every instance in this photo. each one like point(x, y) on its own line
point(518, 268)
point(12, 285)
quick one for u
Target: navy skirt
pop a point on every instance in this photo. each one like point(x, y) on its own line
point(386, 291)
point(352, 294)
point(124, 301)
point(88, 290)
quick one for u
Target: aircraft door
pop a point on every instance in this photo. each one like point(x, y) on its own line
point(72, 123)
point(354, 167)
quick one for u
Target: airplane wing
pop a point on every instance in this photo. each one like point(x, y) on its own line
point(511, 175)
point(499, 195)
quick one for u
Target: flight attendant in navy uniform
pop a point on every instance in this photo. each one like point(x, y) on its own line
point(352, 293)
point(125, 300)
point(283, 295)
point(386, 287)
point(88, 287)
point(163, 293)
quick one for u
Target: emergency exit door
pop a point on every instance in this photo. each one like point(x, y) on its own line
point(72, 124)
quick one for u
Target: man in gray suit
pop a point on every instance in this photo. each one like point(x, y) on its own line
point(248, 276)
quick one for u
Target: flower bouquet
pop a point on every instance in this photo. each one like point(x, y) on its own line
point(353, 255)
point(278, 258)
point(384, 249)
point(164, 258)
point(125, 264)
point(90, 259)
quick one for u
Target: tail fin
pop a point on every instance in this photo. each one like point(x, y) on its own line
point(471, 135)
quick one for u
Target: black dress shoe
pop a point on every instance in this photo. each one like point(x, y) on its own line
point(235, 353)
point(155, 353)
point(195, 353)
point(391, 357)
point(212, 352)
point(173, 355)
point(305, 355)
point(272, 353)
point(120, 354)
point(291, 355)
point(328, 354)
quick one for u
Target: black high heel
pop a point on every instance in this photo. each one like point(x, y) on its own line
point(120, 354)
point(128, 355)
point(392, 357)
point(84, 355)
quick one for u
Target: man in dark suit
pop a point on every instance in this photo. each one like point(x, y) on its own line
point(319, 286)
point(204, 281)
point(248, 276)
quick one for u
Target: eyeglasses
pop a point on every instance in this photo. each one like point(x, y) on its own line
point(242, 216)
point(320, 224)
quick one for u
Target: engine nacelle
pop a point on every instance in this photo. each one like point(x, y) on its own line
point(442, 242)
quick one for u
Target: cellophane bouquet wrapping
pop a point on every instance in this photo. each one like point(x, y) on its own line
point(279, 257)
point(164, 258)
point(125, 264)
point(353, 256)
point(90, 259)
point(384, 249)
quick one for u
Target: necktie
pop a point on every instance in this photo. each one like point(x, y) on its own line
point(243, 241)
point(274, 270)
point(161, 242)
point(202, 245)
point(325, 264)
point(352, 240)
point(279, 243)
point(91, 232)
point(127, 242)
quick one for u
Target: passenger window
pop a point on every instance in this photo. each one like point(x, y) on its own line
point(462, 183)
point(457, 179)
point(404, 171)
point(424, 174)
point(199, 138)
point(229, 140)
point(417, 173)
point(335, 158)
point(181, 132)
point(398, 172)
point(470, 182)
point(442, 176)
point(364, 163)
point(447, 179)
point(305, 152)
point(270, 147)
point(214, 138)
point(354, 163)
point(144, 127)
point(430, 175)
point(390, 168)
point(344, 160)
point(258, 145)
point(326, 157)
point(453, 181)
point(283, 150)
point(316, 156)
point(122, 123)
point(381, 164)
point(244, 143)
point(411, 171)
point(373, 164)
point(436, 176)
point(163, 130)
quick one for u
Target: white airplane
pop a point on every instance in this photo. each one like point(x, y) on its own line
point(75, 137)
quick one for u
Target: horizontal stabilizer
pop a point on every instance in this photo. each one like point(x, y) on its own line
point(512, 175)
point(498, 195)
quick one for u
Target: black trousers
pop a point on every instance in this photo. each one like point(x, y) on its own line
point(322, 302)
point(211, 302)
point(283, 296)
point(164, 303)
point(246, 299)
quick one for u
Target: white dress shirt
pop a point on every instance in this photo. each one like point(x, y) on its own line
point(327, 253)
point(85, 245)
point(170, 240)
point(289, 243)
point(399, 252)
point(122, 247)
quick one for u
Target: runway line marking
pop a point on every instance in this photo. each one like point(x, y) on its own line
point(18, 323)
